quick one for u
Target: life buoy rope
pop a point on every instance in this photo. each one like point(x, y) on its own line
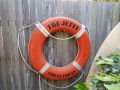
point(25, 61)
point(37, 41)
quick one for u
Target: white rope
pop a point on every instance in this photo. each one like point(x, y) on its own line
point(25, 61)
point(25, 27)
point(39, 82)
point(24, 58)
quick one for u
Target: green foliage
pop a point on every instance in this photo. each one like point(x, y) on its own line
point(109, 76)
point(106, 78)
point(113, 86)
point(81, 86)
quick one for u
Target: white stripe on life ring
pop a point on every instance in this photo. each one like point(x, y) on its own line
point(81, 31)
point(42, 29)
point(44, 68)
point(76, 65)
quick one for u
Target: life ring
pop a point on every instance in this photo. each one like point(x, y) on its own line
point(38, 38)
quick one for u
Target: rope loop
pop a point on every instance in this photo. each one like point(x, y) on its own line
point(25, 61)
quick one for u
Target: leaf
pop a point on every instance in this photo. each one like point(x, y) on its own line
point(117, 67)
point(117, 76)
point(113, 86)
point(115, 59)
point(104, 61)
point(81, 86)
point(104, 77)
point(76, 86)
point(114, 70)
point(107, 69)
point(94, 81)
point(108, 60)
point(101, 62)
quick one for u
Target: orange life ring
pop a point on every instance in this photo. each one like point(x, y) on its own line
point(38, 39)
